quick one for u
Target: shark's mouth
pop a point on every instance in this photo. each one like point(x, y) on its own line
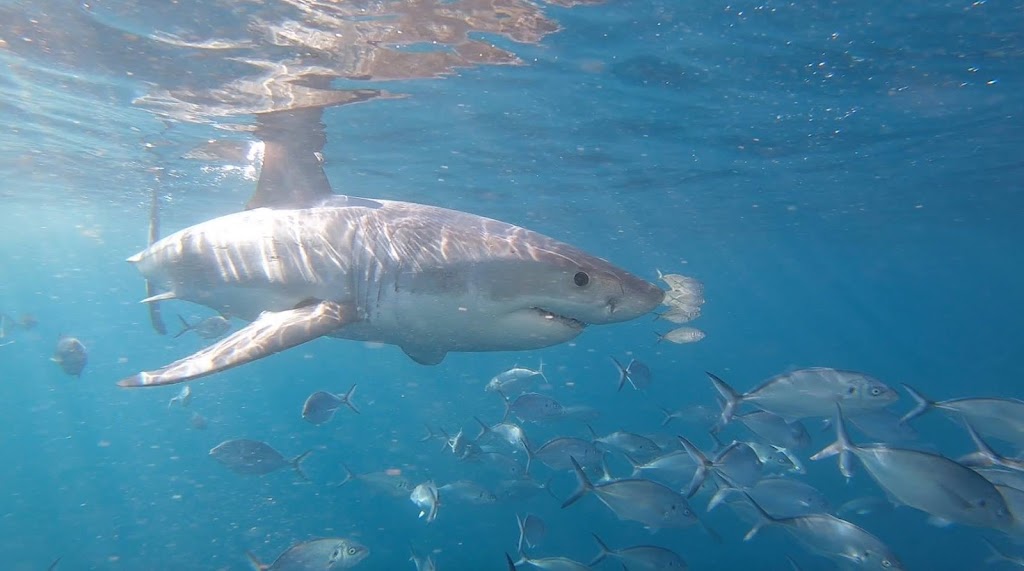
point(566, 321)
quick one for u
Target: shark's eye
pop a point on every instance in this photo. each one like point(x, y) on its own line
point(581, 279)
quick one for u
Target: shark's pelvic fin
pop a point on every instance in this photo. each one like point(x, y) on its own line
point(425, 355)
point(271, 333)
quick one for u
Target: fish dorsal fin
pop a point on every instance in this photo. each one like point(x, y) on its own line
point(425, 355)
point(292, 175)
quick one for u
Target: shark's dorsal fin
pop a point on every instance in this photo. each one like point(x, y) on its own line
point(292, 175)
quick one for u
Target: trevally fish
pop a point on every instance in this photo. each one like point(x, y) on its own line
point(638, 374)
point(809, 392)
point(865, 505)
point(558, 454)
point(698, 414)
point(426, 497)
point(531, 531)
point(552, 563)
point(929, 482)
point(682, 335)
point(321, 405)
point(390, 482)
point(467, 491)
point(640, 557)
point(652, 504)
point(831, 537)
point(637, 446)
point(508, 432)
point(533, 407)
point(209, 328)
point(993, 417)
point(515, 379)
point(253, 457)
point(316, 555)
point(71, 355)
point(775, 430)
point(780, 497)
point(674, 466)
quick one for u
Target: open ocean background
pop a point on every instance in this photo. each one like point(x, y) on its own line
point(845, 178)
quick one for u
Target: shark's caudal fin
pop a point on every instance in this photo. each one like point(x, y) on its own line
point(271, 333)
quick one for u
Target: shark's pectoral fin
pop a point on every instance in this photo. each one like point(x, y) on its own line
point(271, 333)
point(425, 355)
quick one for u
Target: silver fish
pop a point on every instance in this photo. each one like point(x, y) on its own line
point(71, 355)
point(679, 282)
point(531, 531)
point(780, 497)
point(515, 379)
point(775, 459)
point(809, 392)
point(638, 374)
point(680, 312)
point(209, 328)
point(881, 425)
point(552, 563)
point(390, 482)
point(467, 491)
point(865, 505)
point(183, 398)
point(831, 537)
point(674, 466)
point(425, 496)
point(640, 557)
point(776, 430)
point(558, 453)
point(635, 445)
point(508, 432)
point(993, 417)
point(321, 405)
point(652, 504)
point(253, 457)
point(682, 335)
point(929, 482)
point(693, 414)
point(316, 555)
point(533, 407)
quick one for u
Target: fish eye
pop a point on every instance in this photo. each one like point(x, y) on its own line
point(851, 390)
point(876, 391)
point(352, 550)
point(886, 563)
point(581, 279)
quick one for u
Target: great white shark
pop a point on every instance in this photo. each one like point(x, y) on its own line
point(303, 262)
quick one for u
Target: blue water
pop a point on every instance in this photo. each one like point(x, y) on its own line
point(844, 178)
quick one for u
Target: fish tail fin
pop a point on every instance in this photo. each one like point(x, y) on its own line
point(730, 398)
point(510, 566)
point(447, 438)
point(297, 464)
point(540, 370)
point(255, 563)
point(660, 336)
point(347, 399)
point(842, 446)
point(185, 327)
point(349, 476)
point(763, 519)
point(922, 404)
point(508, 405)
point(702, 466)
point(985, 452)
point(435, 504)
point(521, 523)
point(54, 564)
point(622, 373)
point(605, 551)
point(583, 484)
point(593, 433)
point(429, 434)
point(547, 487)
point(718, 441)
point(724, 489)
point(484, 429)
point(669, 415)
point(529, 457)
point(606, 475)
point(995, 554)
point(633, 463)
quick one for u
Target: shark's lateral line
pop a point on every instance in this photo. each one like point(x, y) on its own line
point(305, 263)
